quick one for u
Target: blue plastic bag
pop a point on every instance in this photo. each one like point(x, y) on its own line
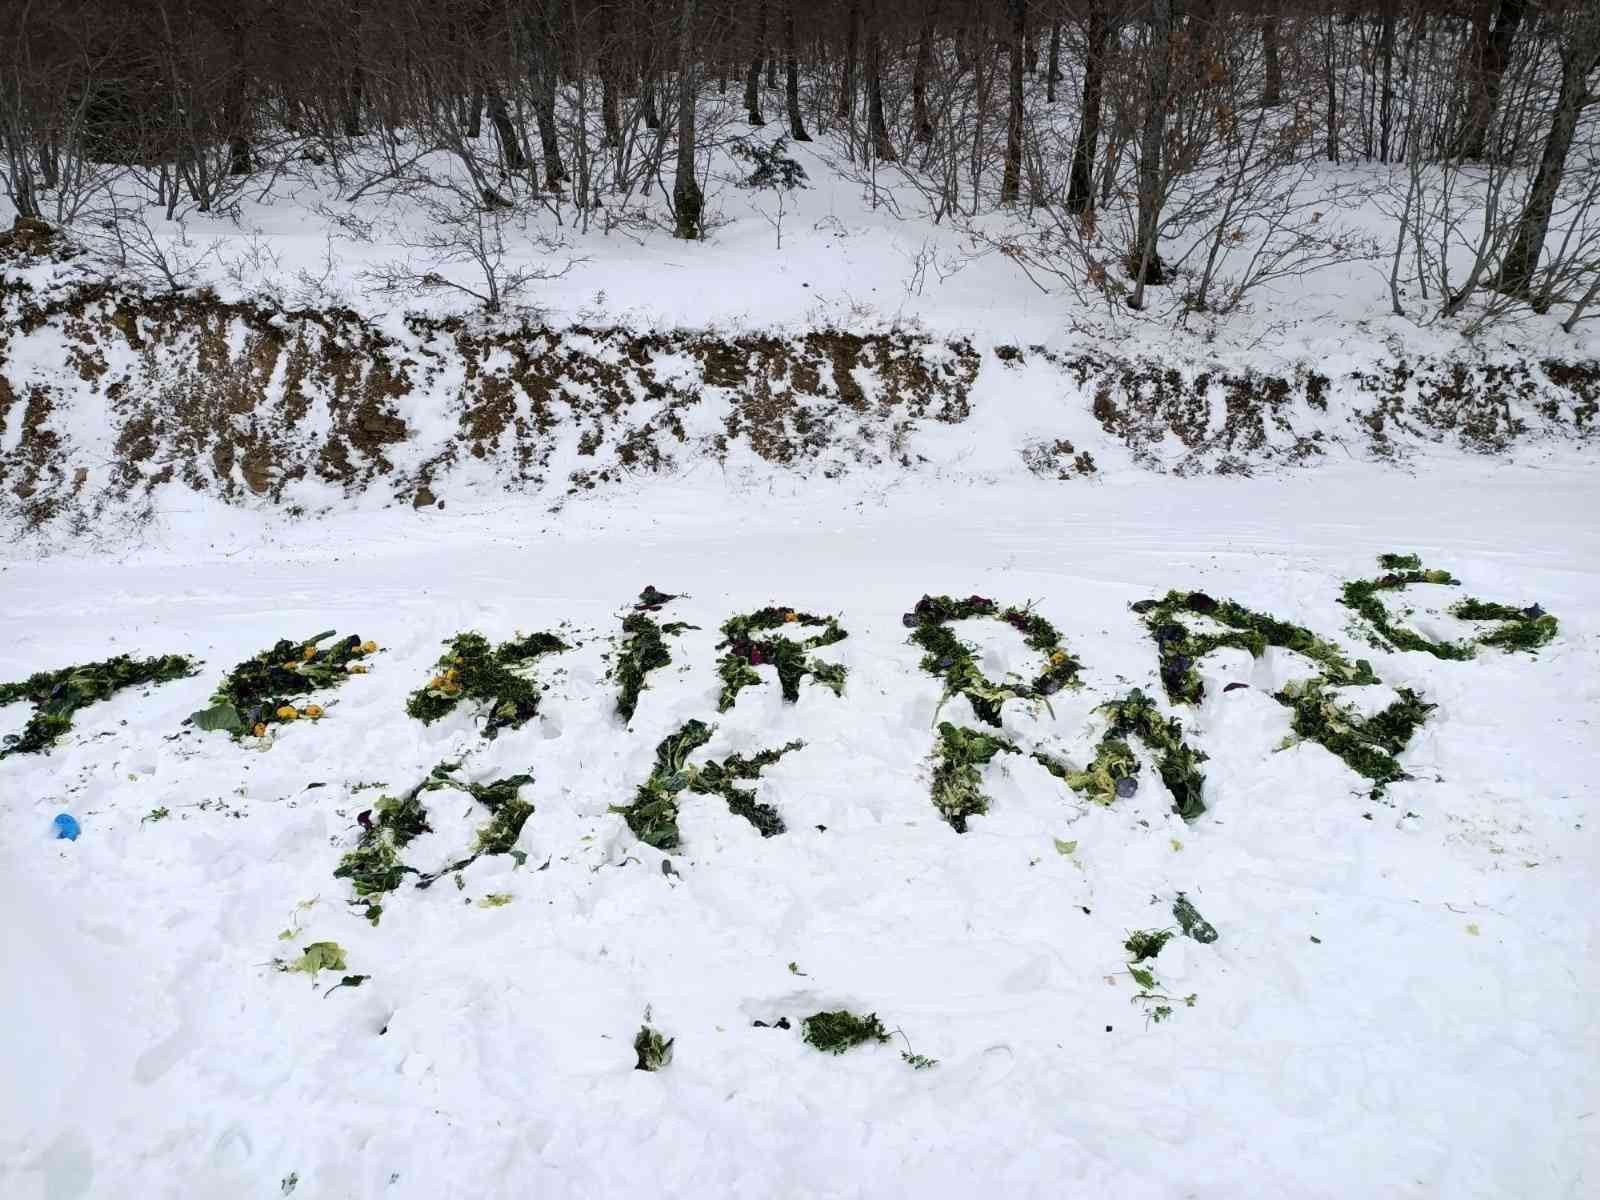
point(66, 826)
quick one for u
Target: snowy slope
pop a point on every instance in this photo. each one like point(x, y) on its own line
point(1400, 1002)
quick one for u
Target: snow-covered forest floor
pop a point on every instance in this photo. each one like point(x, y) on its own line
point(1399, 1000)
point(864, 246)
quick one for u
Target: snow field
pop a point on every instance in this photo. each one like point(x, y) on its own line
point(1436, 1040)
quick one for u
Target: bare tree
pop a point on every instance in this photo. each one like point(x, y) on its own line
point(877, 130)
point(1080, 192)
point(688, 201)
point(757, 52)
point(921, 123)
point(791, 77)
point(1144, 258)
point(1580, 56)
point(463, 230)
point(1016, 35)
point(1493, 52)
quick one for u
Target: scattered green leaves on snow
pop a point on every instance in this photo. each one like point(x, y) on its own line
point(1156, 1002)
point(347, 981)
point(653, 815)
point(498, 680)
point(57, 695)
point(747, 650)
point(318, 956)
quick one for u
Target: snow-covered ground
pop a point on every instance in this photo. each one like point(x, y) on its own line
point(1401, 1001)
point(852, 247)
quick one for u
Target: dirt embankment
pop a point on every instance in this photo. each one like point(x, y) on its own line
point(107, 396)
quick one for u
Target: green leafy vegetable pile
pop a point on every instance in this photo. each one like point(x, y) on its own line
point(374, 868)
point(318, 956)
point(260, 692)
point(1191, 922)
point(652, 1050)
point(841, 1030)
point(1368, 745)
point(747, 650)
point(957, 783)
point(56, 695)
point(1135, 715)
point(644, 649)
point(1517, 628)
point(653, 815)
point(948, 657)
point(1180, 649)
point(498, 680)
point(959, 752)
point(1146, 943)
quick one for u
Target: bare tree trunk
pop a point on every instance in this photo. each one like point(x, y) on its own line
point(1146, 257)
point(1331, 78)
point(1272, 83)
point(1386, 58)
point(21, 174)
point(791, 81)
point(1080, 191)
point(1494, 54)
point(510, 143)
point(752, 79)
point(606, 62)
point(847, 86)
point(647, 100)
point(1013, 165)
point(1580, 55)
point(1052, 75)
point(687, 200)
point(50, 163)
point(353, 90)
point(876, 129)
point(543, 64)
point(921, 123)
point(355, 82)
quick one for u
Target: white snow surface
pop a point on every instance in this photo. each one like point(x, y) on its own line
point(1401, 1001)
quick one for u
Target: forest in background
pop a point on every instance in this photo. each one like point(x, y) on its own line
point(1157, 154)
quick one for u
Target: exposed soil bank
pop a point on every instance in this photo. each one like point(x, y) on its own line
point(106, 396)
